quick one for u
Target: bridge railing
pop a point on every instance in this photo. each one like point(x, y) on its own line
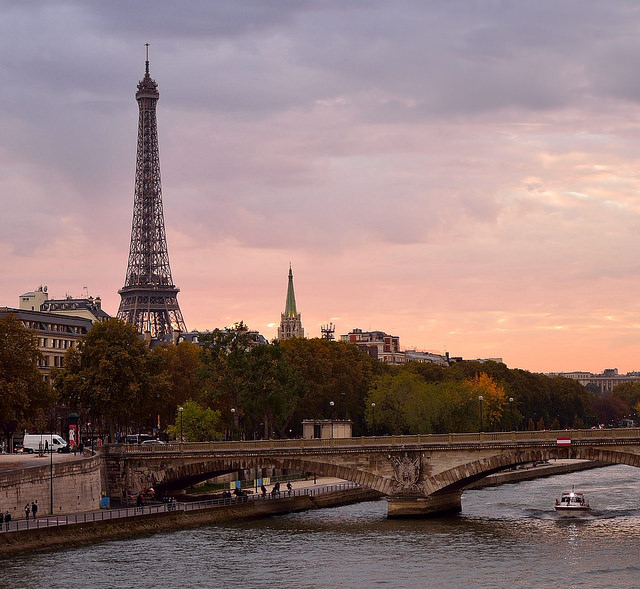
point(380, 441)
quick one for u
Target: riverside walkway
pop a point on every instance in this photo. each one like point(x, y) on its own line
point(104, 515)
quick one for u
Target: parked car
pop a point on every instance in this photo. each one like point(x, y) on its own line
point(152, 442)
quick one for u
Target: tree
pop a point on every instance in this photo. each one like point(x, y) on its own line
point(23, 391)
point(629, 392)
point(404, 404)
point(109, 377)
point(224, 358)
point(197, 424)
point(493, 401)
point(331, 371)
point(273, 391)
point(177, 371)
point(610, 410)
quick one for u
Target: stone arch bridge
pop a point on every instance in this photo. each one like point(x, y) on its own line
point(420, 475)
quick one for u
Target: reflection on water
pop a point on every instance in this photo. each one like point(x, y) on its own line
point(508, 536)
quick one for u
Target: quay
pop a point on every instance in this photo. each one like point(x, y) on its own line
point(77, 529)
point(420, 475)
point(71, 530)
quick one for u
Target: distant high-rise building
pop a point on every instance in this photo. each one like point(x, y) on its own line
point(290, 320)
point(149, 299)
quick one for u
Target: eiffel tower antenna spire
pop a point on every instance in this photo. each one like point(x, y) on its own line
point(149, 299)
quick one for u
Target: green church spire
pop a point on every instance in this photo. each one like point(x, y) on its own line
point(290, 320)
point(290, 307)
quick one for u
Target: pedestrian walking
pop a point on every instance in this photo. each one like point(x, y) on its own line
point(7, 519)
point(26, 511)
point(34, 508)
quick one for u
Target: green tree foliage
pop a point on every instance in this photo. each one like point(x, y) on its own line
point(629, 392)
point(407, 404)
point(404, 403)
point(268, 390)
point(110, 377)
point(23, 393)
point(329, 371)
point(224, 358)
point(273, 388)
point(177, 371)
point(273, 391)
point(197, 423)
point(610, 410)
point(454, 405)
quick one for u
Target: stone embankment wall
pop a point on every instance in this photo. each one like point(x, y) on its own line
point(88, 533)
point(77, 487)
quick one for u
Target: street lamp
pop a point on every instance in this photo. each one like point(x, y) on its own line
point(331, 404)
point(51, 475)
point(233, 421)
point(180, 410)
point(373, 418)
point(480, 398)
point(511, 413)
point(58, 420)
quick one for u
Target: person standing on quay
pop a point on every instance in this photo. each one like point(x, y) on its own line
point(26, 511)
point(7, 519)
point(1, 518)
point(34, 508)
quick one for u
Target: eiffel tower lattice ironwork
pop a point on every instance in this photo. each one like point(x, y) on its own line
point(149, 299)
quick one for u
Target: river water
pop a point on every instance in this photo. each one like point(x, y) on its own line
point(507, 536)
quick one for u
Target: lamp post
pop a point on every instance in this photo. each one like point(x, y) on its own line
point(180, 410)
point(373, 418)
point(511, 412)
point(233, 421)
point(480, 398)
point(331, 404)
point(58, 420)
point(51, 475)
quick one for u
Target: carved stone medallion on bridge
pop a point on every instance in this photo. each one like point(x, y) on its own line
point(407, 470)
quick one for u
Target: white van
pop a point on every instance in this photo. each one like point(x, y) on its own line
point(44, 443)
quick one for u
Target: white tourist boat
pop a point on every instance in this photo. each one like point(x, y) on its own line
point(572, 501)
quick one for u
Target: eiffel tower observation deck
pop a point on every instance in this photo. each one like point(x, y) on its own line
point(149, 299)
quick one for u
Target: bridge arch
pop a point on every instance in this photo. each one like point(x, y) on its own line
point(462, 476)
point(184, 474)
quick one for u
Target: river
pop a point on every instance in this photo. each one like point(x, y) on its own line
point(507, 536)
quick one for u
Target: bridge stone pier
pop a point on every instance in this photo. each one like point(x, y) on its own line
point(420, 475)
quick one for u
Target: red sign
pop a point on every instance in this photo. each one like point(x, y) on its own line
point(564, 441)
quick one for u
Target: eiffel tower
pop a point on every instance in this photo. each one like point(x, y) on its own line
point(149, 299)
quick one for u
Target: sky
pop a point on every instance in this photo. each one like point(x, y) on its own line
point(461, 174)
